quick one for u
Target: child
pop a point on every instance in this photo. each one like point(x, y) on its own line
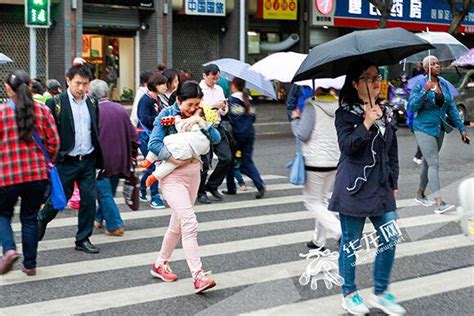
point(187, 143)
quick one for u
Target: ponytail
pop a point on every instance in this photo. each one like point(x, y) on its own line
point(239, 84)
point(25, 106)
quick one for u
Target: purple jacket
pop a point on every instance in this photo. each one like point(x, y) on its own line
point(118, 139)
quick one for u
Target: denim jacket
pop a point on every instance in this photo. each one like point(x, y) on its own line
point(160, 132)
point(428, 116)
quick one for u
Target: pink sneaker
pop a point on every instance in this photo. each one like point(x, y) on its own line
point(29, 272)
point(9, 259)
point(163, 272)
point(202, 282)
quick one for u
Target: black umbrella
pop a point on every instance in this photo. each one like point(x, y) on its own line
point(381, 46)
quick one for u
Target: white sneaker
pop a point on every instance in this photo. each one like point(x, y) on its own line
point(354, 304)
point(443, 207)
point(387, 303)
point(417, 161)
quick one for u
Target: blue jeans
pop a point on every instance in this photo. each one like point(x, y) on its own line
point(32, 195)
point(144, 138)
point(352, 228)
point(107, 209)
point(237, 173)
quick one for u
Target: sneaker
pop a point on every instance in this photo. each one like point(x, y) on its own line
point(443, 207)
point(9, 259)
point(202, 282)
point(29, 272)
point(354, 304)
point(243, 187)
point(423, 200)
point(98, 225)
point(260, 193)
point(116, 232)
point(387, 303)
point(203, 199)
point(143, 197)
point(156, 202)
point(417, 161)
point(312, 245)
point(163, 272)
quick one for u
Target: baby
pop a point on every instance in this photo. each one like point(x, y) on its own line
point(187, 143)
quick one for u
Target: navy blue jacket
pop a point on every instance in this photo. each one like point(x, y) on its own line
point(147, 111)
point(242, 124)
point(352, 195)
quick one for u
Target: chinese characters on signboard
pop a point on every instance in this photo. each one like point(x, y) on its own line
point(205, 7)
point(37, 13)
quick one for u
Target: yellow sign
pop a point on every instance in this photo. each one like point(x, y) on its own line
point(384, 90)
point(279, 9)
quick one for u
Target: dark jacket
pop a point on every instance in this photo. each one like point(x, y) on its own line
point(352, 195)
point(118, 138)
point(62, 113)
point(147, 111)
point(242, 124)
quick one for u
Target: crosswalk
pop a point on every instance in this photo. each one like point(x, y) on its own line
point(252, 246)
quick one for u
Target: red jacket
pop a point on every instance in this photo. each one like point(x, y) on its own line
point(20, 161)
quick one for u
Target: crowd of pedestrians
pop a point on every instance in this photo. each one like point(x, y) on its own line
point(348, 142)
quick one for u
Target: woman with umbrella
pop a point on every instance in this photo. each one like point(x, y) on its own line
point(366, 184)
point(432, 101)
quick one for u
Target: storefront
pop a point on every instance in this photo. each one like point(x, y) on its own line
point(110, 42)
point(273, 26)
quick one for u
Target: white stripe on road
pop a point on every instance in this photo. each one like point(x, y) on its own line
point(159, 291)
point(150, 213)
point(233, 223)
point(115, 263)
point(404, 290)
point(268, 188)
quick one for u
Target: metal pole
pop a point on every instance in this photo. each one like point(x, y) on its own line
point(32, 52)
point(242, 32)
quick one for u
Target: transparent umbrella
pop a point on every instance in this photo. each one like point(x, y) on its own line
point(446, 47)
point(231, 68)
point(5, 59)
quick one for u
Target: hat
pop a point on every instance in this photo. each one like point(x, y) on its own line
point(210, 68)
point(53, 85)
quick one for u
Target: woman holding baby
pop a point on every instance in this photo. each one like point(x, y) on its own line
point(180, 186)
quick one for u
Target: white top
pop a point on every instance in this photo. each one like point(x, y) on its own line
point(82, 126)
point(212, 96)
point(133, 116)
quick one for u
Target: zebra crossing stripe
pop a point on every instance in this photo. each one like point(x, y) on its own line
point(405, 290)
point(60, 221)
point(159, 291)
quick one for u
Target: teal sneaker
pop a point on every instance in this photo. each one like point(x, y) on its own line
point(354, 304)
point(387, 303)
point(156, 202)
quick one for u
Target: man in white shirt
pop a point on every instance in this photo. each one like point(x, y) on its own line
point(214, 97)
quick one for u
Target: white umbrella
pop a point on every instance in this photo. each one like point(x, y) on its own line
point(447, 47)
point(324, 83)
point(5, 59)
point(231, 68)
point(279, 66)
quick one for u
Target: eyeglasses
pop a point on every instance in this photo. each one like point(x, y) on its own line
point(371, 80)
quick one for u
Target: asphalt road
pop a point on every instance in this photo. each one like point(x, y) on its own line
point(252, 247)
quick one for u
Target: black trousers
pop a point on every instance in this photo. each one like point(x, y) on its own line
point(223, 153)
point(83, 172)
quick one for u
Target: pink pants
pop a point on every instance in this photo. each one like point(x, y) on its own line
point(180, 189)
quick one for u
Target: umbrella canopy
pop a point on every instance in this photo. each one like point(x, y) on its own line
point(446, 47)
point(325, 83)
point(231, 68)
point(382, 46)
point(5, 59)
point(421, 79)
point(466, 60)
point(279, 66)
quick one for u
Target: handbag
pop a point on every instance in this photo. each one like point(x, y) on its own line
point(297, 172)
point(57, 195)
point(131, 190)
